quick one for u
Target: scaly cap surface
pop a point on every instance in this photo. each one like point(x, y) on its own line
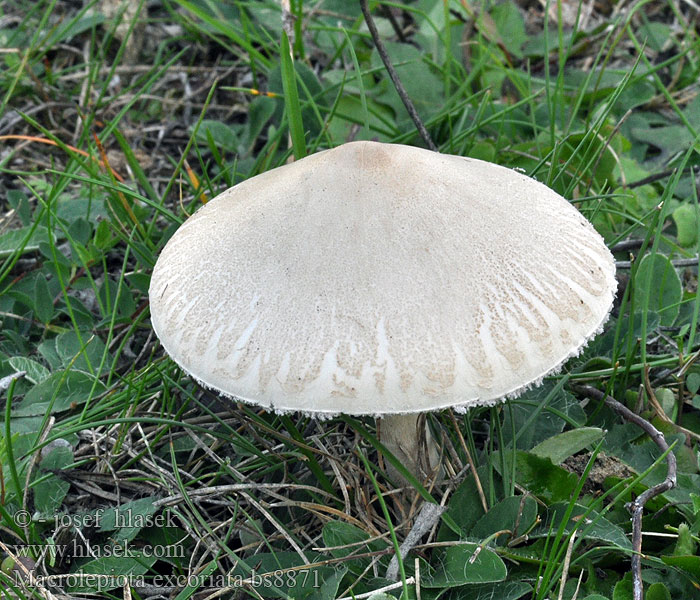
point(376, 278)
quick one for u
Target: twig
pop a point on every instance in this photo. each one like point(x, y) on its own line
point(567, 562)
point(637, 507)
point(629, 244)
point(650, 178)
point(219, 490)
point(386, 588)
point(288, 23)
point(655, 177)
point(5, 382)
point(394, 23)
point(416, 568)
point(656, 405)
point(395, 78)
point(427, 517)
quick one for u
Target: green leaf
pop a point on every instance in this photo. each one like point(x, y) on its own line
point(686, 220)
point(223, 135)
point(658, 283)
point(188, 591)
point(81, 207)
point(84, 319)
point(49, 492)
point(43, 302)
point(483, 150)
point(511, 27)
point(692, 383)
point(103, 236)
point(667, 400)
point(669, 139)
point(164, 533)
point(655, 34)
point(260, 112)
point(73, 27)
point(129, 518)
point(115, 297)
point(330, 585)
point(689, 564)
point(79, 233)
point(516, 513)
point(83, 357)
point(55, 257)
point(465, 505)
point(309, 89)
point(423, 85)
point(291, 100)
point(590, 527)
point(35, 372)
point(340, 533)
point(623, 590)
point(534, 416)
point(58, 392)
point(251, 532)
point(24, 240)
point(502, 590)
point(635, 94)
point(695, 499)
point(544, 479)
point(559, 447)
point(458, 567)
point(265, 570)
point(349, 112)
point(19, 201)
point(657, 591)
point(107, 573)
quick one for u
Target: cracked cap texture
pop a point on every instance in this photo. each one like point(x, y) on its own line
point(376, 278)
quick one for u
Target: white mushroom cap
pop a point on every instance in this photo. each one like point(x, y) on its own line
point(380, 279)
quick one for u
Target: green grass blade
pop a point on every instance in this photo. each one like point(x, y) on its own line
point(291, 100)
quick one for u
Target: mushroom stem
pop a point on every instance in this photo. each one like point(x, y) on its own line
point(408, 438)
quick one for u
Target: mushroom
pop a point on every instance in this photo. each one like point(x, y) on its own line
point(380, 279)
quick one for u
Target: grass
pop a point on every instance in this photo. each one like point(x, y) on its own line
point(114, 128)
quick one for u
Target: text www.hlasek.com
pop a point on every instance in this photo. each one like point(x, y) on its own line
point(81, 550)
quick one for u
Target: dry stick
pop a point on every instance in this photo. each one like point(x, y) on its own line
point(288, 23)
point(656, 405)
point(427, 517)
point(629, 244)
point(395, 78)
point(637, 507)
point(388, 13)
point(650, 178)
point(567, 562)
point(386, 588)
point(5, 382)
